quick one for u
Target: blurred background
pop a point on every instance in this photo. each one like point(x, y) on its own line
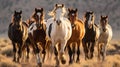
point(100, 7)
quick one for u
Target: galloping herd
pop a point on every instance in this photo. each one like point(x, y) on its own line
point(58, 34)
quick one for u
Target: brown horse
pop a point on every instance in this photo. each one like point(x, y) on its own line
point(17, 32)
point(37, 33)
point(91, 35)
point(78, 32)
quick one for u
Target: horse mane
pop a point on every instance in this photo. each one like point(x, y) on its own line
point(52, 13)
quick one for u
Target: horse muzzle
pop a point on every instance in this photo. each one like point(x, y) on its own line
point(58, 22)
point(104, 30)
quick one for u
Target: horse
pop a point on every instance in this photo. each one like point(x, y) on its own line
point(58, 31)
point(37, 33)
point(91, 35)
point(78, 32)
point(17, 33)
point(105, 36)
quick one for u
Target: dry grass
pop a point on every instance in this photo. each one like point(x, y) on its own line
point(112, 58)
point(6, 62)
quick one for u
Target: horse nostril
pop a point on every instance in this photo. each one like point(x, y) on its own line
point(58, 22)
point(104, 30)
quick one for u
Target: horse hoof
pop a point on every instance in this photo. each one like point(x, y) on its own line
point(39, 64)
point(63, 61)
point(77, 61)
point(14, 60)
point(70, 62)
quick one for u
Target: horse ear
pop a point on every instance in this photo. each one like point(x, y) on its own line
point(20, 11)
point(14, 11)
point(62, 5)
point(76, 9)
point(101, 16)
point(92, 12)
point(41, 9)
point(106, 16)
point(35, 9)
point(69, 9)
point(56, 5)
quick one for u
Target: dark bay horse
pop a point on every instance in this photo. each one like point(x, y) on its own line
point(17, 33)
point(91, 35)
point(78, 32)
point(37, 33)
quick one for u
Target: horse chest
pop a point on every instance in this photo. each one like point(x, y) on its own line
point(39, 35)
point(17, 36)
point(90, 35)
point(103, 37)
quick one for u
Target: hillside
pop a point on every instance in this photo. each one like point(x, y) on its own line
point(100, 7)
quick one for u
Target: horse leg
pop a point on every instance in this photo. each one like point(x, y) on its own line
point(56, 56)
point(73, 50)
point(98, 47)
point(70, 54)
point(14, 51)
point(92, 49)
point(85, 49)
point(78, 51)
point(44, 52)
point(28, 51)
point(20, 45)
point(104, 51)
point(62, 57)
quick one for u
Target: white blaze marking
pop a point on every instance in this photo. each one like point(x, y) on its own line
point(89, 21)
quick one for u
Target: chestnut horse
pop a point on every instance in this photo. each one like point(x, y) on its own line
point(91, 35)
point(105, 37)
point(17, 33)
point(78, 32)
point(58, 31)
point(37, 33)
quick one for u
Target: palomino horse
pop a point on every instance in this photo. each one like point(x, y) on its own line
point(37, 33)
point(78, 32)
point(91, 35)
point(105, 36)
point(59, 31)
point(17, 32)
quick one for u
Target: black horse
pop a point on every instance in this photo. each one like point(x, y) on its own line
point(17, 33)
point(91, 35)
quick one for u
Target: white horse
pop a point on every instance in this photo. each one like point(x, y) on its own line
point(105, 37)
point(59, 31)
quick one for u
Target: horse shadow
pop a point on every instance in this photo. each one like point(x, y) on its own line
point(116, 51)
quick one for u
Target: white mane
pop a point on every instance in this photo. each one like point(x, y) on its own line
point(52, 13)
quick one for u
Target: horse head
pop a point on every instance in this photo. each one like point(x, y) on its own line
point(58, 12)
point(17, 19)
point(72, 15)
point(38, 17)
point(89, 19)
point(104, 22)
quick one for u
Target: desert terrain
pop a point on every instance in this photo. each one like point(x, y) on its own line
point(112, 58)
point(100, 7)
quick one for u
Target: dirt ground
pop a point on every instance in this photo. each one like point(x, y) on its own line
point(112, 58)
